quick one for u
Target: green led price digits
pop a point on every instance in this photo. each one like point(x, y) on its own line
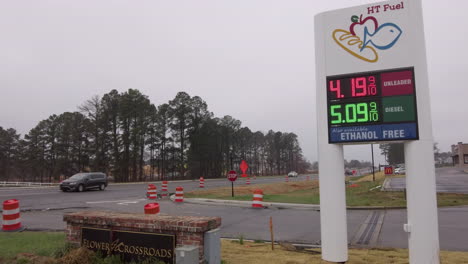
point(354, 113)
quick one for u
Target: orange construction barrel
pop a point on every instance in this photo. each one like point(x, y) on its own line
point(152, 208)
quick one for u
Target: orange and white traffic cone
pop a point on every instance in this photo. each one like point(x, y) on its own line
point(152, 192)
point(179, 195)
point(202, 182)
point(11, 216)
point(152, 208)
point(164, 189)
point(257, 199)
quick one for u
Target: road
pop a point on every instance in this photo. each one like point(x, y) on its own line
point(43, 209)
point(449, 180)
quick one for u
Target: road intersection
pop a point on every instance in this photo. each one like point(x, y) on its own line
point(43, 209)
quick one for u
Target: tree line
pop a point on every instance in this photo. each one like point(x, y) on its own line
point(394, 154)
point(128, 137)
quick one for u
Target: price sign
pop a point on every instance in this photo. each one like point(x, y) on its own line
point(232, 175)
point(372, 106)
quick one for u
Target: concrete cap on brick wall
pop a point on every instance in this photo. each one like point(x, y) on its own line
point(142, 221)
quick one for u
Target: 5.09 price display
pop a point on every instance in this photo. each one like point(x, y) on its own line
point(355, 112)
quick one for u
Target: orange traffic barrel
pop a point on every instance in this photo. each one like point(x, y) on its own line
point(164, 189)
point(286, 179)
point(152, 192)
point(11, 216)
point(247, 181)
point(152, 208)
point(202, 182)
point(179, 194)
point(257, 199)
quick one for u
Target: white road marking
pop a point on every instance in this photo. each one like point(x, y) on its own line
point(117, 201)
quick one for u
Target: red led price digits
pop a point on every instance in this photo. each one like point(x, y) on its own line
point(360, 88)
point(371, 88)
point(336, 88)
point(353, 87)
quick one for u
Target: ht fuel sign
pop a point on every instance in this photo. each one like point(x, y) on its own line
point(372, 86)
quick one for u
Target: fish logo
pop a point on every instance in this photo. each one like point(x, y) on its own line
point(365, 37)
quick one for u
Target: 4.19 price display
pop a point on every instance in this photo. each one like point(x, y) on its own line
point(353, 87)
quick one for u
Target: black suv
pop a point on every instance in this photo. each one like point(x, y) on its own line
point(82, 181)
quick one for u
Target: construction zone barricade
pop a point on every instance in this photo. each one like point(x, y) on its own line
point(152, 192)
point(164, 192)
point(202, 182)
point(257, 199)
point(179, 195)
point(152, 208)
point(11, 216)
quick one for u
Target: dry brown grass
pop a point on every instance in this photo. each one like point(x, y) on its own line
point(256, 253)
point(78, 256)
point(270, 188)
point(379, 175)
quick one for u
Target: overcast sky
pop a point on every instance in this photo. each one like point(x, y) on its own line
point(251, 59)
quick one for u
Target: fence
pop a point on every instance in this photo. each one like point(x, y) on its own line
point(26, 184)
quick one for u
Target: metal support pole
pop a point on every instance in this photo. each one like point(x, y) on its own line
point(373, 172)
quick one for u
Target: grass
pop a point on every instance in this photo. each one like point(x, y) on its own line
point(49, 248)
point(363, 192)
point(232, 252)
point(39, 243)
point(256, 253)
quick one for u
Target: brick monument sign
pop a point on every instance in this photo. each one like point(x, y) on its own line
point(138, 236)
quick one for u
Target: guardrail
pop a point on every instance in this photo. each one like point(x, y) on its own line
point(26, 184)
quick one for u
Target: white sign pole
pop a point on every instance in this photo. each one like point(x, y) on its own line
point(333, 228)
point(422, 226)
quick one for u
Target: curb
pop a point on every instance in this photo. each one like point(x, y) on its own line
point(313, 207)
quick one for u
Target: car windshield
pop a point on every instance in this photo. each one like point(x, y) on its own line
point(78, 176)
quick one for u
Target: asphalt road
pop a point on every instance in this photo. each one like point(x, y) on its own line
point(448, 180)
point(43, 209)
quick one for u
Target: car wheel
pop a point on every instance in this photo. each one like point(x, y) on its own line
point(80, 188)
point(102, 186)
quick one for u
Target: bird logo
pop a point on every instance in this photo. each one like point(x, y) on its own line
point(366, 36)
